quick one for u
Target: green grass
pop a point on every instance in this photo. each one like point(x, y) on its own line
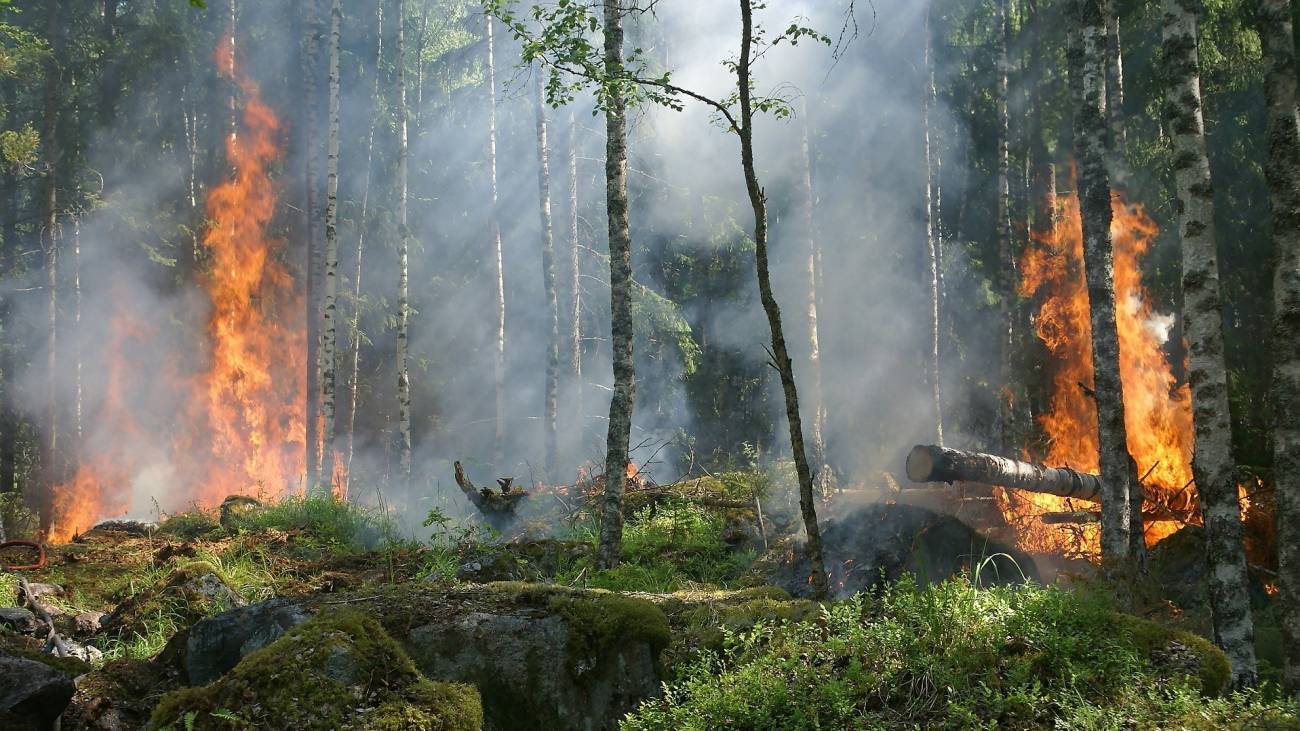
point(951, 656)
point(675, 546)
point(324, 524)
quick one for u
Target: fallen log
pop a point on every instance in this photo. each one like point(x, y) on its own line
point(930, 463)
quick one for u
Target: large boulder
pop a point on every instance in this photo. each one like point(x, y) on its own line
point(541, 657)
point(882, 541)
point(32, 694)
point(338, 670)
point(216, 644)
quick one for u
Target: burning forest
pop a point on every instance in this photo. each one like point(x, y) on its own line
point(736, 364)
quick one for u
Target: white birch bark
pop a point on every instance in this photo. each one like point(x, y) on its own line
point(329, 336)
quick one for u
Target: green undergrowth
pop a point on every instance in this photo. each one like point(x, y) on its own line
point(338, 670)
point(954, 656)
point(672, 546)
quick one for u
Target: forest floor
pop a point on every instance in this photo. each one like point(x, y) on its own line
point(687, 633)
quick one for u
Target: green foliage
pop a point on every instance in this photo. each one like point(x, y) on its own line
point(18, 147)
point(951, 656)
point(191, 525)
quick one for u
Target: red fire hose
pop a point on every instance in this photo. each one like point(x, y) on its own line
point(40, 559)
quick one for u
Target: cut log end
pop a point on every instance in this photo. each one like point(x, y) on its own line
point(920, 463)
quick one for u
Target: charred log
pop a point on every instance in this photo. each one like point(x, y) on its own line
point(492, 503)
point(930, 463)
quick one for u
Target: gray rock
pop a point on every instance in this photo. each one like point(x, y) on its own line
point(37, 590)
point(85, 653)
point(88, 623)
point(32, 692)
point(521, 664)
point(211, 587)
point(19, 620)
point(216, 644)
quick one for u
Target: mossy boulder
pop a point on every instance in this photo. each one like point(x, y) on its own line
point(191, 591)
point(540, 656)
point(1174, 651)
point(339, 669)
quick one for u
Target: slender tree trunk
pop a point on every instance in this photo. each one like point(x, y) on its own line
point(498, 274)
point(403, 257)
point(574, 275)
point(548, 284)
point(12, 249)
point(1212, 463)
point(810, 251)
point(79, 390)
point(314, 247)
point(931, 237)
point(784, 366)
point(49, 222)
point(1006, 265)
point(1115, 78)
point(362, 222)
point(1118, 473)
point(1282, 170)
point(330, 337)
point(609, 549)
point(108, 90)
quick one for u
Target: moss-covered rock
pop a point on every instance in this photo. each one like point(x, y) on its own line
point(338, 670)
point(191, 526)
point(191, 591)
point(700, 620)
point(1178, 651)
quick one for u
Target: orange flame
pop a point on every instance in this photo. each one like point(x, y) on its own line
point(1158, 414)
point(242, 430)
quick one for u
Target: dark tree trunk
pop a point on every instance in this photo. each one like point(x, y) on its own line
point(1282, 170)
point(609, 549)
point(784, 366)
point(933, 463)
point(49, 222)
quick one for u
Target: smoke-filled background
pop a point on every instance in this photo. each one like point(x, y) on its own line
point(120, 124)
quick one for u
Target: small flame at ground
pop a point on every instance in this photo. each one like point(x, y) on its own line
point(242, 430)
point(1158, 413)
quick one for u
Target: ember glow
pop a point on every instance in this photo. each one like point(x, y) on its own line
point(242, 427)
point(1158, 413)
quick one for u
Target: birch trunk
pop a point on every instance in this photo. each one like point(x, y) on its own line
point(1118, 473)
point(1282, 170)
point(1006, 265)
point(1115, 78)
point(810, 252)
point(498, 275)
point(79, 386)
point(363, 219)
point(609, 549)
point(330, 336)
point(314, 259)
point(784, 366)
point(574, 276)
point(403, 258)
point(1212, 464)
point(548, 283)
point(931, 238)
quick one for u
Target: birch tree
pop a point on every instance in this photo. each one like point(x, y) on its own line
point(363, 219)
point(315, 254)
point(548, 283)
point(49, 222)
point(931, 235)
point(1118, 473)
point(1212, 463)
point(403, 257)
point(810, 255)
point(498, 274)
point(1006, 265)
point(1282, 169)
point(329, 337)
point(573, 338)
point(1115, 77)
